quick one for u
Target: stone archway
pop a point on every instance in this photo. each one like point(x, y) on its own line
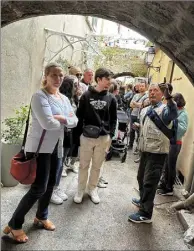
point(168, 24)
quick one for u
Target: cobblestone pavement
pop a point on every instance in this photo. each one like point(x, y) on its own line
point(98, 227)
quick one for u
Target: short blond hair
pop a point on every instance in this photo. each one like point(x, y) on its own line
point(73, 70)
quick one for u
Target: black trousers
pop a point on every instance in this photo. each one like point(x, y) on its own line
point(69, 144)
point(169, 170)
point(150, 169)
point(40, 190)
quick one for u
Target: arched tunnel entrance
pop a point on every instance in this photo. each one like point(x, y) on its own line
point(168, 24)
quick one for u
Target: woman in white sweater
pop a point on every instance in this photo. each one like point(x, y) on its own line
point(50, 111)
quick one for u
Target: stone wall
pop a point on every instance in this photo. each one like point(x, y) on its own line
point(168, 24)
point(24, 53)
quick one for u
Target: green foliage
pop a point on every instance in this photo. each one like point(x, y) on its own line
point(139, 68)
point(149, 43)
point(14, 126)
point(63, 62)
point(121, 60)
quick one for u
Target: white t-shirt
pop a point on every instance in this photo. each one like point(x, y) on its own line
point(83, 87)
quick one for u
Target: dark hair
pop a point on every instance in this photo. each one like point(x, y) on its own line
point(145, 83)
point(121, 90)
point(135, 89)
point(179, 99)
point(114, 86)
point(142, 81)
point(67, 87)
point(129, 86)
point(102, 72)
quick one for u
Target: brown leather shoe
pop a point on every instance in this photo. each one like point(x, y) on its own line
point(19, 238)
point(47, 224)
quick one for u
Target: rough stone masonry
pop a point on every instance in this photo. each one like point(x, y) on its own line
point(168, 24)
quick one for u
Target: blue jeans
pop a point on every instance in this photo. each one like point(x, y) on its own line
point(40, 190)
point(59, 171)
point(60, 166)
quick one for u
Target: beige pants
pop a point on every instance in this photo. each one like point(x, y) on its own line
point(106, 151)
point(91, 150)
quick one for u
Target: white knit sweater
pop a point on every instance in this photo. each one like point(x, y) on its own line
point(43, 107)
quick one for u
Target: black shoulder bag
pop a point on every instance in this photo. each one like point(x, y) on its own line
point(169, 133)
point(91, 131)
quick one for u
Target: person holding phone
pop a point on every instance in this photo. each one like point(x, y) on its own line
point(154, 147)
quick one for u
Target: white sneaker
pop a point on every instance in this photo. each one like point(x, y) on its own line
point(78, 197)
point(137, 160)
point(94, 196)
point(101, 184)
point(73, 168)
point(103, 180)
point(56, 199)
point(61, 194)
point(64, 173)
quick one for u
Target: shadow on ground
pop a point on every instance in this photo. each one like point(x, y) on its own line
point(98, 227)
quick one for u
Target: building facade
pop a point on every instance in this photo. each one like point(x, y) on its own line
point(173, 74)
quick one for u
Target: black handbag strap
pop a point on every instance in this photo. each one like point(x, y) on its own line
point(98, 117)
point(101, 121)
point(40, 142)
point(26, 132)
point(152, 114)
point(26, 129)
point(140, 98)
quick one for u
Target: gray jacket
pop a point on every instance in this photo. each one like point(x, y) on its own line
point(151, 138)
point(43, 107)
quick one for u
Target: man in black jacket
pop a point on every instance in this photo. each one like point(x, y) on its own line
point(97, 114)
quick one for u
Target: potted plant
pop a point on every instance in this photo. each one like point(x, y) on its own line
point(12, 136)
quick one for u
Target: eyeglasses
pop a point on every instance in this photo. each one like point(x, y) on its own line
point(78, 74)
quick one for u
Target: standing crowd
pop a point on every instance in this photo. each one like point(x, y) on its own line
point(80, 119)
